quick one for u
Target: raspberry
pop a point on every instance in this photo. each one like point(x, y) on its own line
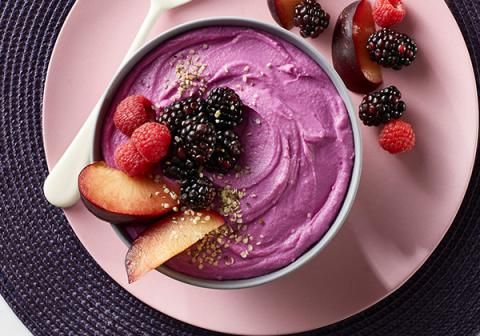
point(397, 137)
point(386, 13)
point(152, 141)
point(132, 112)
point(130, 161)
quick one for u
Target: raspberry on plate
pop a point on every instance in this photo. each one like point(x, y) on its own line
point(397, 137)
point(386, 13)
point(132, 112)
point(130, 161)
point(152, 140)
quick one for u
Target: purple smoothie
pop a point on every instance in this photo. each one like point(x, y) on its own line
point(298, 141)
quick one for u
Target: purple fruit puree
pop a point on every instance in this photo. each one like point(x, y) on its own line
point(298, 141)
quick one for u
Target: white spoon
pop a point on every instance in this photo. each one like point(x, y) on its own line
point(60, 187)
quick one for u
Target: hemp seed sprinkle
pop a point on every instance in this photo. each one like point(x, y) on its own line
point(230, 261)
point(189, 74)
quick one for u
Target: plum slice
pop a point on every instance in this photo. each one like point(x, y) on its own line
point(166, 238)
point(283, 11)
point(115, 197)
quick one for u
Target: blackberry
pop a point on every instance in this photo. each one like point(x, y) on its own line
point(311, 18)
point(179, 169)
point(227, 152)
point(382, 106)
point(174, 114)
point(391, 49)
point(225, 108)
point(198, 139)
point(197, 193)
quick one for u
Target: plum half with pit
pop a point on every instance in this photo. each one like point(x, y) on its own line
point(350, 56)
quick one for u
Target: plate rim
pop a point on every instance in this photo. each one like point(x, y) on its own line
point(472, 80)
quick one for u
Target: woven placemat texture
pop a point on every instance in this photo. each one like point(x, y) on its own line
point(56, 288)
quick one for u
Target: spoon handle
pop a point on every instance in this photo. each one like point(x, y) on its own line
point(60, 187)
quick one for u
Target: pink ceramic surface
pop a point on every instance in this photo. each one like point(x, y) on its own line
point(405, 203)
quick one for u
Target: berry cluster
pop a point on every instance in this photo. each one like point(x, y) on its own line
point(386, 107)
point(202, 139)
point(149, 141)
point(395, 50)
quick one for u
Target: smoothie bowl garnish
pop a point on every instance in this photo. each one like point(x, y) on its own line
point(227, 152)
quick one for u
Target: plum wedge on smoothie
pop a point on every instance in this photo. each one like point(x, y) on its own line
point(118, 198)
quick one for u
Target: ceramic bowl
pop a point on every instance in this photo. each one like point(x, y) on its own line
point(337, 81)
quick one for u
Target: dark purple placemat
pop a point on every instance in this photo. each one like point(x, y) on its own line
point(56, 288)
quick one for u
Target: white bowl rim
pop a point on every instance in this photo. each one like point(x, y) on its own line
point(342, 90)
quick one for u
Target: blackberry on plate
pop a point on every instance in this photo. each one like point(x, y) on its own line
point(382, 106)
point(227, 152)
point(225, 108)
point(311, 18)
point(197, 193)
point(391, 49)
point(174, 114)
point(198, 140)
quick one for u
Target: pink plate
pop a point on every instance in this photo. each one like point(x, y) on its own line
point(405, 203)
